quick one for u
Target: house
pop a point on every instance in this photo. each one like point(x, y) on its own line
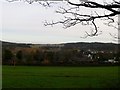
point(112, 61)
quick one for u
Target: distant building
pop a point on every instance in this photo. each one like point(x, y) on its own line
point(90, 56)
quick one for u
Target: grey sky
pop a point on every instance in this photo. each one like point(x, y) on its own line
point(22, 22)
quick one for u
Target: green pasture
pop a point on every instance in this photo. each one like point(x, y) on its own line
point(59, 77)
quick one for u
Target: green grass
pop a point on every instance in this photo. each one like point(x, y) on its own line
point(60, 77)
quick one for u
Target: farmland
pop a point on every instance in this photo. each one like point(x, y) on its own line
point(60, 77)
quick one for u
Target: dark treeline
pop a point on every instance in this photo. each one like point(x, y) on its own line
point(80, 45)
point(68, 54)
point(35, 56)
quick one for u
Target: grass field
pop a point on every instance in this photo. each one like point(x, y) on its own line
point(60, 77)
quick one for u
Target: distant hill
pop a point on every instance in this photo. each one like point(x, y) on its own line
point(11, 44)
point(92, 46)
point(79, 45)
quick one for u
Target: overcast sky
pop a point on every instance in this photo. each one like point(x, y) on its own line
point(22, 22)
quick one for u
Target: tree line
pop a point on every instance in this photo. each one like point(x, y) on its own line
point(33, 56)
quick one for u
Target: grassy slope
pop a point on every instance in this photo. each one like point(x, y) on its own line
point(60, 77)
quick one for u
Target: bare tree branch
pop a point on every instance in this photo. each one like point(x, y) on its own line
point(91, 4)
point(85, 19)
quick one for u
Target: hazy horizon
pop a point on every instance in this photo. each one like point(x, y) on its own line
point(54, 43)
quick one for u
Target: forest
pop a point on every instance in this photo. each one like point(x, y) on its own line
point(69, 54)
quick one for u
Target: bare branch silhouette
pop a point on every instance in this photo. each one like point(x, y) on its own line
point(77, 17)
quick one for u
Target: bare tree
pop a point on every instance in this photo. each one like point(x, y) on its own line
point(73, 16)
